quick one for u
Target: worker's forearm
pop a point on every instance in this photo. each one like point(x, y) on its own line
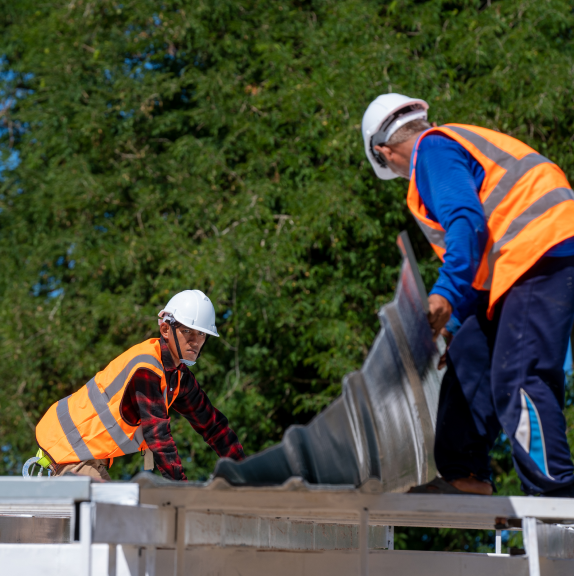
point(461, 261)
point(449, 180)
point(166, 457)
point(156, 429)
point(226, 443)
point(206, 420)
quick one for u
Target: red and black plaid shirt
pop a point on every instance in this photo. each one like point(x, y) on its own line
point(143, 402)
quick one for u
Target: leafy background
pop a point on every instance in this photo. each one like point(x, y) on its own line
point(148, 147)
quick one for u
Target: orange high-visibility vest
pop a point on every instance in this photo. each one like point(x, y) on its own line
point(88, 424)
point(527, 202)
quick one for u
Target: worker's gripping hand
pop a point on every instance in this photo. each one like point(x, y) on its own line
point(439, 313)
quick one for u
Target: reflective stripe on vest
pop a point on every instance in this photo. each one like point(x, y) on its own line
point(117, 383)
point(100, 401)
point(515, 185)
point(90, 425)
point(515, 169)
point(542, 205)
point(101, 407)
point(72, 433)
point(549, 200)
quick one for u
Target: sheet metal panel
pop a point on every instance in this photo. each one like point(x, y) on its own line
point(382, 426)
point(33, 530)
point(45, 509)
point(234, 561)
point(555, 541)
point(139, 525)
point(217, 529)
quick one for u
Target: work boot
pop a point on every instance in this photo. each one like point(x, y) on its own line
point(472, 485)
point(468, 485)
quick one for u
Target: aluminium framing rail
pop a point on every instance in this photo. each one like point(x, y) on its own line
point(159, 528)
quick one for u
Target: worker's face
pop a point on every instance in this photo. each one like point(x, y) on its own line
point(398, 158)
point(190, 341)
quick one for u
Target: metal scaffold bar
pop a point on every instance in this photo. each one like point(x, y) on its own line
point(364, 542)
point(530, 535)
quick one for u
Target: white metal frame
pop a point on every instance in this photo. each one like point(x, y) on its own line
point(126, 530)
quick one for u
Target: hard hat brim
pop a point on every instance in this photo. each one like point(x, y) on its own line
point(186, 323)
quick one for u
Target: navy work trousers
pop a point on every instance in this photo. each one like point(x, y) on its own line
point(508, 373)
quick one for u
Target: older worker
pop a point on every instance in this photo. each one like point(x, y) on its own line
point(500, 216)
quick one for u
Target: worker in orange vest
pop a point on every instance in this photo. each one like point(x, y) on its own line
point(123, 409)
point(500, 216)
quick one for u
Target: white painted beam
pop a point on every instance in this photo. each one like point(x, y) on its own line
point(233, 561)
point(64, 560)
point(65, 489)
point(343, 506)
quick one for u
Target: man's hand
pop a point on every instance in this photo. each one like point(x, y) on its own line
point(439, 314)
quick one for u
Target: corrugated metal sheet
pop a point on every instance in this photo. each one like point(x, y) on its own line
point(382, 426)
point(218, 529)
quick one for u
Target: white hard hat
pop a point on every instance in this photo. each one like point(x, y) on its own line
point(193, 309)
point(384, 116)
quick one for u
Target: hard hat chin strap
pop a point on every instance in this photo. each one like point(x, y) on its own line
point(180, 355)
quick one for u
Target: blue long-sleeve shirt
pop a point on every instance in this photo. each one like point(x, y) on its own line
point(448, 179)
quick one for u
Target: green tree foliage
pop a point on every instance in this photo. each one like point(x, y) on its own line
point(216, 144)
